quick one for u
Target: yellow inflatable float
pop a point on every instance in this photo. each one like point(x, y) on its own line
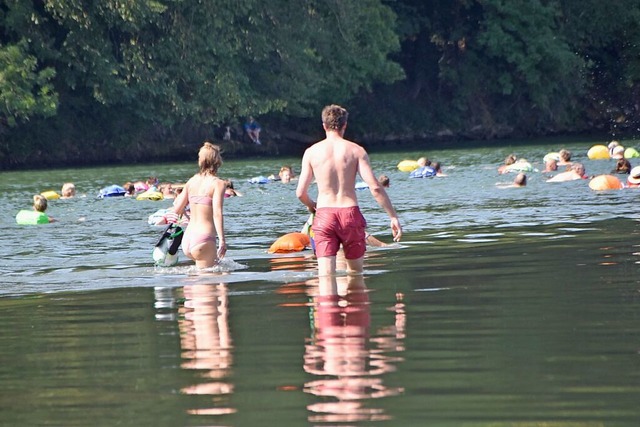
point(598, 152)
point(50, 195)
point(408, 165)
point(605, 182)
point(291, 242)
point(150, 195)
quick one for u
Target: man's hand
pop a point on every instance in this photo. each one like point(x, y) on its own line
point(396, 229)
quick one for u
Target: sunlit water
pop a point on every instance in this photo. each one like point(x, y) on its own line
point(500, 307)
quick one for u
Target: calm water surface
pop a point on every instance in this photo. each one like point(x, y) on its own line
point(501, 307)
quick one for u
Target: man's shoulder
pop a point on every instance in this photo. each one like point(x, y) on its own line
point(330, 144)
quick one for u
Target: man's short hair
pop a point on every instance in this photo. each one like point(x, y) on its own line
point(334, 117)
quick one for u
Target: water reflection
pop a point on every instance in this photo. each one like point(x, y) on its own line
point(342, 352)
point(206, 345)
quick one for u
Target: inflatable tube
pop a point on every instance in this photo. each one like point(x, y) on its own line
point(259, 180)
point(598, 152)
point(159, 216)
point(519, 166)
point(291, 242)
point(605, 182)
point(551, 156)
point(150, 195)
point(50, 195)
point(26, 217)
point(361, 186)
point(631, 153)
point(111, 191)
point(408, 165)
point(423, 172)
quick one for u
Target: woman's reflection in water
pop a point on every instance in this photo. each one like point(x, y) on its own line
point(343, 353)
point(206, 344)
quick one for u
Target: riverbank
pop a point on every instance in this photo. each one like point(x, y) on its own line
point(278, 140)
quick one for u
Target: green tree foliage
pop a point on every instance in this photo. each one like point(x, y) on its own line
point(533, 68)
point(210, 61)
point(166, 64)
point(138, 77)
point(25, 89)
point(486, 67)
point(607, 37)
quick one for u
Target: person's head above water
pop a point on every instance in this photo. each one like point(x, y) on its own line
point(520, 180)
point(40, 203)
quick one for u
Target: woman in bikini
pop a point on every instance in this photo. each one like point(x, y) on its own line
point(204, 193)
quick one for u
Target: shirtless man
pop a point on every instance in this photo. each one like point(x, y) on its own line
point(335, 162)
point(577, 171)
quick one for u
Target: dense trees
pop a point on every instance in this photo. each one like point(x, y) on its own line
point(487, 68)
point(117, 80)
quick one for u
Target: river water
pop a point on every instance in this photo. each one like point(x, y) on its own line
point(500, 307)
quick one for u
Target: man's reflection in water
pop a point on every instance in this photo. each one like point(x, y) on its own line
point(206, 344)
point(343, 353)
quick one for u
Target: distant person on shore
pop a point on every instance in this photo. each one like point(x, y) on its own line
point(68, 190)
point(335, 162)
point(576, 171)
point(204, 193)
point(252, 128)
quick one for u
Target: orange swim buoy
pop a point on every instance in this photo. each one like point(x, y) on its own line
point(291, 242)
point(605, 182)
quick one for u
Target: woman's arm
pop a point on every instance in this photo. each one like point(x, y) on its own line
point(218, 216)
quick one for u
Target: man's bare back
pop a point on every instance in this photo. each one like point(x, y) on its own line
point(335, 162)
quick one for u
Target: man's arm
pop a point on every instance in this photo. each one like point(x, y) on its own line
point(304, 180)
point(380, 195)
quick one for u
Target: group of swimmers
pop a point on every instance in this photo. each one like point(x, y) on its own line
point(333, 164)
point(40, 204)
point(573, 170)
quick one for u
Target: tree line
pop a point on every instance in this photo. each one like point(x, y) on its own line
point(84, 82)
